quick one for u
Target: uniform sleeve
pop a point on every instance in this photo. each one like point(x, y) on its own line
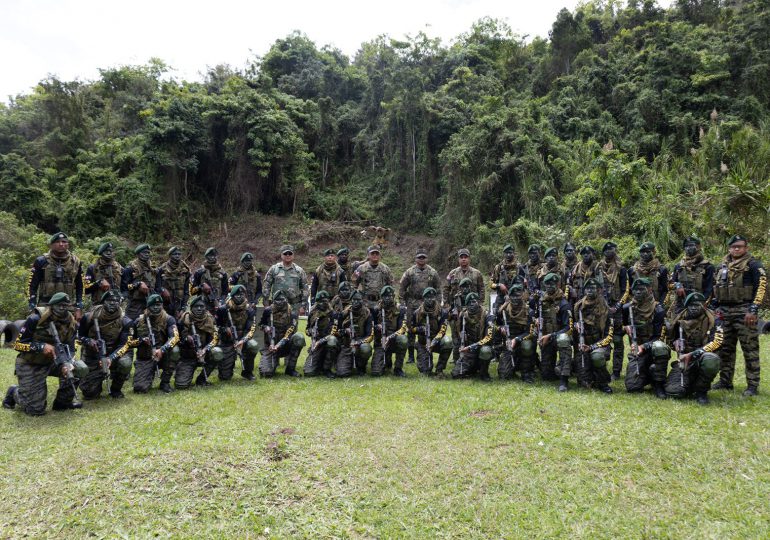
point(401, 322)
point(658, 320)
point(291, 329)
point(89, 282)
point(265, 319)
point(608, 333)
point(627, 294)
point(313, 288)
point(224, 285)
point(717, 337)
point(663, 282)
point(195, 282)
point(441, 325)
point(234, 278)
point(489, 325)
point(759, 280)
point(79, 286)
point(480, 284)
point(258, 290)
point(369, 329)
point(403, 287)
point(494, 277)
point(565, 319)
point(24, 341)
point(267, 283)
point(708, 281)
point(36, 275)
point(83, 327)
point(126, 279)
point(251, 324)
point(622, 279)
point(122, 345)
point(446, 291)
point(159, 279)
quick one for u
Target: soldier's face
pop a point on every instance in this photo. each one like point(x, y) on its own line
point(474, 306)
point(342, 258)
point(108, 254)
point(465, 261)
point(248, 263)
point(110, 304)
point(465, 289)
point(550, 259)
point(280, 302)
point(357, 303)
point(694, 310)
point(287, 257)
point(323, 304)
point(430, 301)
point(156, 308)
point(421, 261)
point(144, 255)
point(345, 292)
point(60, 310)
point(509, 256)
point(646, 255)
point(239, 298)
point(374, 257)
point(588, 257)
point(211, 258)
point(388, 299)
point(534, 256)
point(198, 309)
point(569, 253)
point(516, 297)
point(550, 287)
point(610, 253)
point(175, 256)
point(591, 291)
point(60, 246)
point(330, 260)
point(690, 249)
point(738, 249)
point(640, 293)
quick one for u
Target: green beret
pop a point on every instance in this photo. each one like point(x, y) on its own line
point(691, 239)
point(141, 247)
point(592, 281)
point(694, 297)
point(193, 300)
point(356, 294)
point(237, 288)
point(345, 285)
point(463, 252)
point(387, 289)
point(320, 295)
point(279, 294)
point(508, 247)
point(172, 249)
point(104, 247)
point(737, 238)
point(608, 245)
point(466, 281)
point(517, 286)
point(550, 277)
point(429, 291)
point(59, 298)
point(642, 282)
point(328, 252)
point(533, 247)
point(111, 293)
point(549, 251)
point(586, 249)
point(211, 251)
point(156, 299)
point(287, 248)
point(342, 251)
point(647, 245)
point(57, 236)
point(246, 255)
point(471, 296)
point(568, 245)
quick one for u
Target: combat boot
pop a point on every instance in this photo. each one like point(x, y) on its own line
point(329, 374)
point(410, 360)
point(201, 380)
point(528, 378)
point(165, 387)
point(721, 385)
point(751, 391)
point(248, 375)
point(605, 388)
point(74, 404)
point(10, 397)
point(293, 373)
point(563, 384)
point(701, 398)
point(660, 391)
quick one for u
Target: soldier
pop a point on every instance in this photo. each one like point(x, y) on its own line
point(371, 276)
point(172, 281)
point(415, 280)
point(551, 266)
point(391, 328)
point(692, 274)
point(595, 330)
point(586, 268)
point(46, 330)
point(648, 266)
point(247, 276)
point(56, 271)
point(456, 306)
point(696, 336)
point(504, 274)
point(342, 300)
point(287, 277)
point(554, 327)
point(465, 270)
point(237, 323)
point(570, 258)
point(198, 340)
point(342, 259)
point(739, 289)
point(138, 278)
point(103, 333)
point(648, 357)
point(429, 325)
point(475, 335)
point(357, 331)
point(103, 275)
point(321, 324)
point(516, 327)
point(210, 281)
point(532, 268)
point(327, 277)
point(279, 322)
point(156, 339)
point(613, 280)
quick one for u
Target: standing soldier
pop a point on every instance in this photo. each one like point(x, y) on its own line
point(692, 274)
point(198, 339)
point(595, 330)
point(739, 289)
point(155, 337)
point(327, 277)
point(643, 319)
point(172, 281)
point(415, 280)
point(504, 274)
point(696, 336)
point(287, 277)
point(585, 269)
point(465, 270)
point(103, 334)
point(342, 259)
point(236, 323)
point(648, 266)
point(532, 268)
point(570, 258)
point(56, 271)
point(321, 325)
point(551, 266)
point(45, 345)
point(476, 329)
point(515, 322)
point(429, 325)
point(371, 276)
point(391, 329)
point(613, 277)
point(138, 278)
point(210, 281)
point(103, 275)
point(357, 331)
point(554, 325)
point(279, 323)
point(456, 306)
point(247, 276)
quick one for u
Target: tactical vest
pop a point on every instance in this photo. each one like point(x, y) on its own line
point(187, 350)
point(281, 321)
point(551, 321)
point(592, 333)
point(147, 275)
point(694, 336)
point(289, 281)
point(456, 276)
point(214, 280)
point(66, 329)
point(359, 323)
point(643, 327)
point(325, 322)
point(735, 292)
point(174, 280)
point(249, 282)
point(373, 279)
point(391, 318)
point(514, 327)
point(474, 326)
point(691, 280)
point(110, 331)
point(507, 276)
point(109, 272)
point(418, 281)
point(579, 279)
point(329, 280)
point(58, 277)
point(654, 280)
point(144, 351)
point(420, 317)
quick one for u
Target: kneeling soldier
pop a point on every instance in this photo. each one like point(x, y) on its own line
point(198, 338)
point(429, 325)
point(554, 327)
point(390, 334)
point(475, 341)
point(648, 356)
point(323, 337)
point(237, 324)
point(357, 331)
point(697, 337)
point(46, 345)
point(515, 323)
point(280, 320)
point(594, 324)
point(103, 333)
point(155, 338)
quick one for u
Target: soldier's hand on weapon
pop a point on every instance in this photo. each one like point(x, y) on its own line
point(750, 320)
point(680, 292)
point(144, 290)
point(157, 354)
point(585, 348)
point(434, 342)
point(678, 345)
point(512, 343)
point(78, 314)
point(165, 295)
point(465, 349)
point(49, 351)
point(206, 288)
point(504, 330)
point(502, 289)
point(544, 340)
point(105, 363)
point(639, 350)
point(104, 285)
point(685, 358)
point(239, 345)
point(628, 330)
point(67, 369)
point(93, 345)
point(229, 333)
point(200, 355)
point(302, 311)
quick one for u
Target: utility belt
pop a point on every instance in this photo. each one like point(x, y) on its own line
point(734, 295)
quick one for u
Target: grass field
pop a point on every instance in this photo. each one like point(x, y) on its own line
point(385, 458)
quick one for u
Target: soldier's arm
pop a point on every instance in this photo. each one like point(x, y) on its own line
point(369, 329)
point(126, 278)
point(446, 291)
point(627, 294)
point(79, 286)
point(401, 322)
point(251, 324)
point(292, 328)
point(441, 325)
point(158, 280)
point(663, 282)
point(717, 337)
point(89, 281)
point(267, 286)
point(213, 341)
point(658, 325)
point(490, 327)
point(83, 327)
point(708, 281)
point(494, 277)
point(258, 289)
point(607, 337)
point(24, 342)
point(36, 275)
point(195, 282)
point(403, 286)
point(759, 281)
point(122, 345)
point(480, 284)
point(565, 319)
point(225, 286)
point(313, 288)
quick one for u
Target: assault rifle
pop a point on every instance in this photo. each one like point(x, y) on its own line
point(272, 329)
point(581, 338)
point(634, 342)
point(62, 355)
point(153, 343)
point(234, 331)
point(463, 337)
point(540, 322)
point(428, 342)
point(101, 347)
point(679, 346)
point(198, 353)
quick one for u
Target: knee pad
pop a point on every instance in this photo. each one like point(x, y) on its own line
point(173, 354)
point(660, 350)
point(563, 341)
point(364, 351)
point(709, 363)
point(81, 369)
point(216, 354)
point(598, 358)
point(401, 342)
point(527, 348)
point(446, 344)
point(123, 365)
point(251, 347)
point(485, 353)
point(298, 340)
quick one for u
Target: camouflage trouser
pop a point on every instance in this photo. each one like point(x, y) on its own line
point(32, 393)
point(735, 330)
point(470, 364)
point(548, 365)
point(411, 307)
point(695, 378)
point(425, 357)
point(382, 359)
point(510, 362)
point(618, 347)
point(146, 369)
point(588, 373)
point(229, 359)
point(320, 360)
point(91, 384)
point(185, 371)
point(345, 362)
point(644, 369)
point(268, 362)
point(454, 327)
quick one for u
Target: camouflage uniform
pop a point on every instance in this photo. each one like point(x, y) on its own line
point(613, 279)
point(581, 273)
point(654, 271)
point(370, 279)
point(245, 326)
point(363, 332)
point(457, 304)
point(597, 332)
point(453, 279)
point(321, 325)
point(691, 274)
point(395, 319)
point(432, 322)
point(135, 274)
point(291, 280)
point(651, 365)
point(504, 275)
point(285, 324)
point(215, 277)
point(105, 269)
point(249, 278)
point(206, 329)
point(414, 281)
point(166, 336)
point(172, 281)
point(477, 335)
point(515, 325)
point(532, 268)
point(327, 278)
point(557, 323)
point(50, 275)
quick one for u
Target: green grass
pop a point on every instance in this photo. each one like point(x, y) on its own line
point(383, 458)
